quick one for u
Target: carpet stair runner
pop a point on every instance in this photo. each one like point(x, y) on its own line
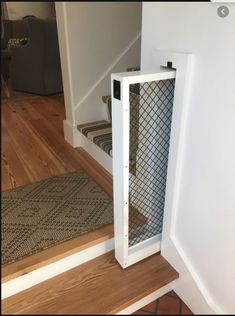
point(100, 132)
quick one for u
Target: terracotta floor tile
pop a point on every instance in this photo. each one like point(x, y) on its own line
point(141, 312)
point(151, 307)
point(172, 293)
point(185, 310)
point(168, 306)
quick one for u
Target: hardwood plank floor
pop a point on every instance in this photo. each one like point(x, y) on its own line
point(33, 146)
point(34, 149)
point(99, 286)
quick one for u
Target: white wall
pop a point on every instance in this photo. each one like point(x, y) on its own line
point(92, 36)
point(205, 218)
point(19, 9)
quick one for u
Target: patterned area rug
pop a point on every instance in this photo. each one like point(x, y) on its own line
point(42, 214)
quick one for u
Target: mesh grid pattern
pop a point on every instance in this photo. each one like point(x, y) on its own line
point(151, 105)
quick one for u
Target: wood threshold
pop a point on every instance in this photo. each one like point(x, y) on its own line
point(66, 248)
point(55, 253)
point(99, 286)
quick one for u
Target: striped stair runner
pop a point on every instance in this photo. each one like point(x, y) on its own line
point(100, 132)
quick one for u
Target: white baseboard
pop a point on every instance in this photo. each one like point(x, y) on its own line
point(71, 134)
point(51, 270)
point(186, 287)
point(147, 299)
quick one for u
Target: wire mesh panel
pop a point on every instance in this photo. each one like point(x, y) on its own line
point(142, 104)
point(151, 105)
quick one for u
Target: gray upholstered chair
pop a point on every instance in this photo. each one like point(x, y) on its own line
point(35, 67)
point(10, 29)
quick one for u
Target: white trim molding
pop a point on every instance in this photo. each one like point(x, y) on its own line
point(71, 134)
point(63, 37)
point(213, 307)
point(51, 270)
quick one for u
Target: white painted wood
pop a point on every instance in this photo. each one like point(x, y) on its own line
point(158, 73)
point(121, 126)
point(147, 299)
point(71, 134)
point(65, 56)
point(96, 152)
point(192, 278)
point(120, 140)
point(143, 250)
point(51, 270)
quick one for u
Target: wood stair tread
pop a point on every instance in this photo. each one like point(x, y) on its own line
point(133, 69)
point(105, 98)
point(55, 253)
point(99, 286)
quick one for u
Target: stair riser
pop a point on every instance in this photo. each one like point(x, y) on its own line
point(94, 151)
point(49, 271)
point(147, 299)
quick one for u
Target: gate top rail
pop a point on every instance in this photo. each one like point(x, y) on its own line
point(160, 73)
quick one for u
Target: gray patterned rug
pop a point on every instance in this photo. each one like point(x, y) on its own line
point(42, 214)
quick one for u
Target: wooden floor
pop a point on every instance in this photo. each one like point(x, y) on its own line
point(99, 286)
point(34, 149)
point(33, 146)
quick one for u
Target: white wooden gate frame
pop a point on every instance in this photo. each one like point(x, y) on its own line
point(180, 70)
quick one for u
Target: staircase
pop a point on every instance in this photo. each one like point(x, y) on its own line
point(82, 276)
point(99, 286)
point(100, 132)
